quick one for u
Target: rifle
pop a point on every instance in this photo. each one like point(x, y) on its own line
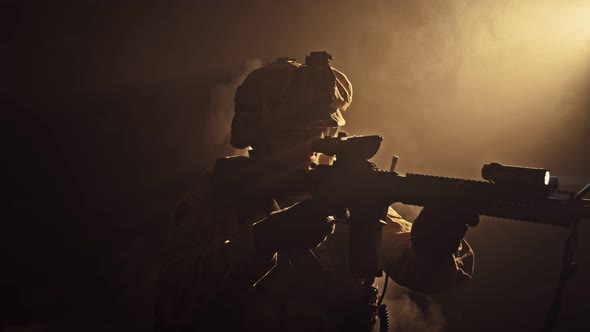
point(519, 193)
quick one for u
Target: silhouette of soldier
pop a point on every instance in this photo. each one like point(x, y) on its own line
point(221, 270)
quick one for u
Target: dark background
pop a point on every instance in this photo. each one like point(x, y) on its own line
point(109, 110)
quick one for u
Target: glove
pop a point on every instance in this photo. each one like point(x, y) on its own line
point(302, 226)
point(437, 232)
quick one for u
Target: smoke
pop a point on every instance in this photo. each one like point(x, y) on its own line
point(221, 106)
point(453, 81)
point(413, 312)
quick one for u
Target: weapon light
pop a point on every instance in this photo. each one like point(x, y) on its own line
point(503, 174)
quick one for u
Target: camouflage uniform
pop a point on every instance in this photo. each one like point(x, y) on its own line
point(211, 266)
point(211, 262)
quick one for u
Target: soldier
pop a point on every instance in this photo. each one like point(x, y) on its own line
point(219, 268)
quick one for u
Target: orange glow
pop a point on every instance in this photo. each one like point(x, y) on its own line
point(487, 81)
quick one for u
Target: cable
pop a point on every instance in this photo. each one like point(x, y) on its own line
point(384, 290)
point(568, 270)
point(383, 318)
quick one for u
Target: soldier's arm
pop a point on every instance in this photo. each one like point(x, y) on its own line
point(408, 269)
point(209, 258)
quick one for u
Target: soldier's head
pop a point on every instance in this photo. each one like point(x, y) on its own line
point(281, 107)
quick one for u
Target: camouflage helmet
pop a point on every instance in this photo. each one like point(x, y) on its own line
point(287, 95)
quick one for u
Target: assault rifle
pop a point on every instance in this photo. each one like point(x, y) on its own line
point(519, 193)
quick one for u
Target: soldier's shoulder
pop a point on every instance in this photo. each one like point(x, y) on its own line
point(223, 172)
point(197, 185)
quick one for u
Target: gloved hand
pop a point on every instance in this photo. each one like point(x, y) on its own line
point(437, 232)
point(302, 226)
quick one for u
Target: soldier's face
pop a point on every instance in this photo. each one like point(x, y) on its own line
point(292, 149)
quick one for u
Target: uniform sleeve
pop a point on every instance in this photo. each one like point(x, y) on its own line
point(209, 258)
point(409, 270)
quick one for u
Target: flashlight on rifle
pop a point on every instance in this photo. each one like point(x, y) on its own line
point(515, 175)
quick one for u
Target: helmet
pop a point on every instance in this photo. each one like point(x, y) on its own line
point(289, 96)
